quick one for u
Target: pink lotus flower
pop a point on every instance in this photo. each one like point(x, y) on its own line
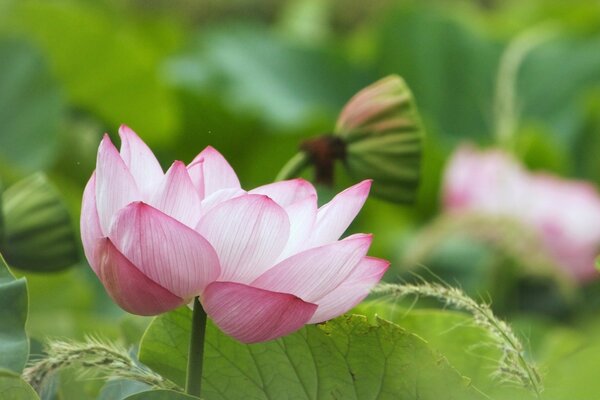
point(564, 213)
point(263, 262)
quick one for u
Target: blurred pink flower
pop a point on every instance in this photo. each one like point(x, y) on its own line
point(263, 262)
point(564, 213)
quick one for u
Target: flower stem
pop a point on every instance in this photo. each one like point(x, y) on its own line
point(505, 102)
point(293, 167)
point(193, 380)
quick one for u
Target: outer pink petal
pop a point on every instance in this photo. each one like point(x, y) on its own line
point(166, 251)
point(91, 232)
point(196, 172)
point(115, 187)
point(128, 287)
point(218, 174)
point(313, 273)
point(352, 291)
point(334, 217)
point(177, 197)
point(248, 232)
point(288, 192)
point(253, 315)
point(140, 160)
point(302, 215)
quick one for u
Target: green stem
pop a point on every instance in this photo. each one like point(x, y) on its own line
point(293, 167)
point(505, 102)
point(193, 380)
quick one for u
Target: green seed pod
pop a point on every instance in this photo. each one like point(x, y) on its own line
point(383, 136)
point(38, 233)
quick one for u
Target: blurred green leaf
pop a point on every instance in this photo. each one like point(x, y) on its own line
point(31, 107)
point(344, 358)
point(14, 344)
point(132, 328)
point(69, 385)
point(120, 389)
point(70, 303)
point(12, 387)
point(108, 64)
point(252, 69)
point(540, 150)
point(449, 67)
point(587, 147)
point(38, 231)
point(553, 83)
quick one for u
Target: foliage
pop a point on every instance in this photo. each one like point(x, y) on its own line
point(343, 358)
point(12, 387)
point(255, 79)
point(14, 346)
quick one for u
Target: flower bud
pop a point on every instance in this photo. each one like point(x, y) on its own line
point(563, 214)
point(37, 231)
point(382, 131)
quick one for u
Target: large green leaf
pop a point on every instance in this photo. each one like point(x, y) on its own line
point(31, 107)
point(164, 346)
point(12, 387)
point(14, 344)
point(467, 346)
point(346, 358)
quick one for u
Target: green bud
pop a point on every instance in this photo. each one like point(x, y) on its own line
point(38, 233)
point(382, 131)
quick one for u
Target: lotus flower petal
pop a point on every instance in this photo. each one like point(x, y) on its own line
point(287, 192)
point(140, 161)
point(219, 197)
point(313, 273)
point(302, 215)
point(115, 186)
point(253, 315)
point(166, 251)
point(130, 288)
point(177, 197)
point(334, 217)
point(490, 182)
point(91, 232)
point(352, 291)
point(217, 172)
point(196, 173)
point(248, 233)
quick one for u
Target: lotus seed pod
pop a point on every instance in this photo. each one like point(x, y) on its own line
point(38, 234)
point(382, 131)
